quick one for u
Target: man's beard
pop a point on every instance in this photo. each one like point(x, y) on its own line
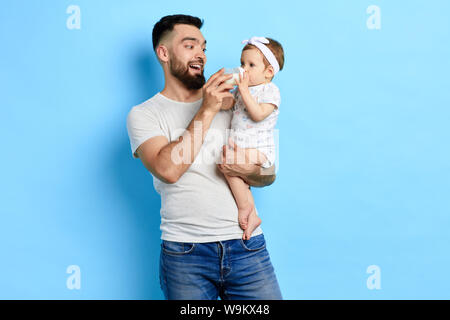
point(181, 72)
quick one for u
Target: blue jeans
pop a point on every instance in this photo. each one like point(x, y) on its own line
point(232, 269)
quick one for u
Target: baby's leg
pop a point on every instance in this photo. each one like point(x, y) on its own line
point(243, 197)
point(253, 221)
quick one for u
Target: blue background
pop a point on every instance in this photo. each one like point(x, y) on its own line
point(364, 174)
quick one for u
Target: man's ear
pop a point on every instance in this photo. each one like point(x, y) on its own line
point(162, 52)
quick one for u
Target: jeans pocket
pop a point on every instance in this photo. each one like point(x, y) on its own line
point(177, 248)
point(254, 244)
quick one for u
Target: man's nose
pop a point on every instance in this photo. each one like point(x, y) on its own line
point(201, 55)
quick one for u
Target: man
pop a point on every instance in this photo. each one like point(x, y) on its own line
point(179, 134)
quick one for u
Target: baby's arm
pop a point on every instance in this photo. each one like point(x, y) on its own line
point(256, 111)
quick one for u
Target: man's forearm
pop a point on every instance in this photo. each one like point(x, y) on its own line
point(178, 155)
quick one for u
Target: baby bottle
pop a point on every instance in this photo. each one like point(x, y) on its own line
point(235, 72)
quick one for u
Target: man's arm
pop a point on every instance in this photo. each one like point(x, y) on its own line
point(227, 103)
point(169, 161)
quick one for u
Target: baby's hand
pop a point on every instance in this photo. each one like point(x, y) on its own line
point(243, 81)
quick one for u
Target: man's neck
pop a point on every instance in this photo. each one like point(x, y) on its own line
point(175, 90)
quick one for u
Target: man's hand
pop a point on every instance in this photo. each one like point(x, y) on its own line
point(215, 90)
point(244, 163)
point(227, 103)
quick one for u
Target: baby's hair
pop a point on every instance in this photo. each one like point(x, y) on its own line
point(276, 49)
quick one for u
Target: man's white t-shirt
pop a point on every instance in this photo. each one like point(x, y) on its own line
point(199, 207)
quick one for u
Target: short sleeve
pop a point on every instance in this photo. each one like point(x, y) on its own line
point(141, 126)
point(270, 94)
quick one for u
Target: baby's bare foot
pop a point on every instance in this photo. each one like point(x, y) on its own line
point(253, 222)
point(243, 214)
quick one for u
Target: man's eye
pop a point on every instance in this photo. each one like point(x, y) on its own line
point(252, 65)
point(204, 50)
point(189, 47)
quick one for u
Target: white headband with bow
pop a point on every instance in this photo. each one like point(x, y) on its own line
point(259, 42)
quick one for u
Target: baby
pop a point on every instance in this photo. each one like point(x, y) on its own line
point(255, 111)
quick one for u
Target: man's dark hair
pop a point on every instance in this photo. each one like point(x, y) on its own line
point(166, 24)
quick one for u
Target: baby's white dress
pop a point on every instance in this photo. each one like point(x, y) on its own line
point(260, 135)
